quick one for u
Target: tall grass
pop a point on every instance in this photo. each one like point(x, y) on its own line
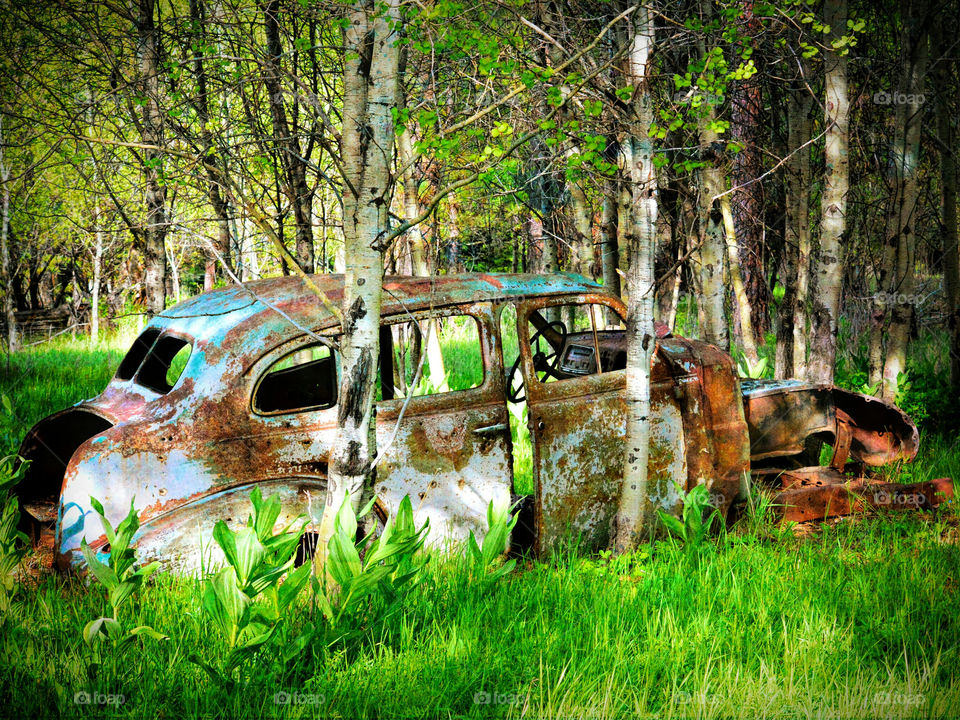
point(859, 622)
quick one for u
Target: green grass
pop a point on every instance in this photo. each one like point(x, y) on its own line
point(51, 377)
point(833, 626)
point(857, 620)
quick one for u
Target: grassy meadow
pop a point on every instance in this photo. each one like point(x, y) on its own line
point(854, 618)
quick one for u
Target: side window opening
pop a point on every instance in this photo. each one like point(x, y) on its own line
point(571, 341)
point(305, 379)
point(137, 352)
point(449, 347)
point(164, 364)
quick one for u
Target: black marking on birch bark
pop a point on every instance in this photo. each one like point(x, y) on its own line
point(358, 311)
point(353, 463)
point(352, 404)
point(645, 344)
point(366, 55)
point(366, 137)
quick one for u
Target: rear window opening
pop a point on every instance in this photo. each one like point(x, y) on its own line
point(303, 380)
point(164, 364)
point(137, 352)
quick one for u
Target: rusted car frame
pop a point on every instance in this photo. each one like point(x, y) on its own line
point(256, 402)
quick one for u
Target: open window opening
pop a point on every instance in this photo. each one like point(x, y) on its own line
point(137, 352)
point(449, 349)
point(303, 380)
point(163, 365)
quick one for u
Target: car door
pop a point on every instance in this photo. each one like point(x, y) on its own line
point(445, 441)
point(577, 421)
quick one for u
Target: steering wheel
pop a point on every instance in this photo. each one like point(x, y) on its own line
point(544, 364)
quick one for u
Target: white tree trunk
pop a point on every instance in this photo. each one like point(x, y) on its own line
point(710, 257)
point(736, 280)
point(836, 182)
point(96, 272)
point(370, 92)
point(634, 511)
point(798, 230)
point(6, 275)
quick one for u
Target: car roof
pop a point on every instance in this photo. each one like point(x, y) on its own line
point(264, 308)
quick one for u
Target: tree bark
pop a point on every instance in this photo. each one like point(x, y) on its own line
point(216, 182)
point(96, 261)
point(624, 218)
point(291, 154)
point(634, 513)
point(6, 274)
point(710, 256)
point(155, 196)
point(736, 280)
point(370, 93)
point(582, 250)
point(826, 301)
point(797, 230)
point(948, 219)
point(748, 203)
point(609, 251)
point(901, 239)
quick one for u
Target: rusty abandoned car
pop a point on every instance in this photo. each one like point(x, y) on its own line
point(227, 391)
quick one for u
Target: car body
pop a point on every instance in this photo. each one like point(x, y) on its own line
point(255, 405)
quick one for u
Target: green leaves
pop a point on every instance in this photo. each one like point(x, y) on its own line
point(243, 550)
point(119, 576)
point(500, 524)
point(374, 586)
point(753, 370)
point(101, 627)
point(226, 604)
point(693, 530)
point(13, 543)
point(245, 600)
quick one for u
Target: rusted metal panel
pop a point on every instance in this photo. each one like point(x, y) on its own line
point(822, 493)
point(782, 415)
point(452, 451)
point(698, 435)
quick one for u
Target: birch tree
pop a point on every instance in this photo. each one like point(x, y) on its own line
point(371, 69)
point(900, 236)
point(836, 183)
point(155, 193)
point(634, 511)
point(6, 275)
point(946, 102)
point(791, 359)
